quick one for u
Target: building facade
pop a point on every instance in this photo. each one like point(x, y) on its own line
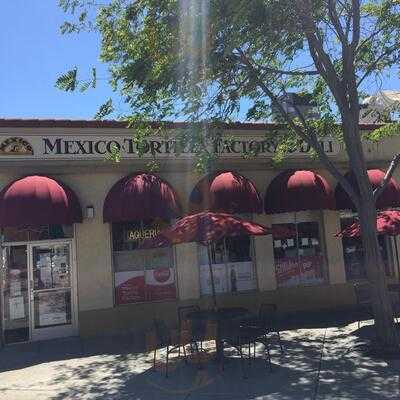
point(72, 223)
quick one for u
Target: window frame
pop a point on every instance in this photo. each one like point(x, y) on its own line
point(299, 218)
point(173, 266)
point(388, 242)
point(226, 263)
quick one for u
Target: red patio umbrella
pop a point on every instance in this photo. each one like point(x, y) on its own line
point(205, 228)
point(387, 223)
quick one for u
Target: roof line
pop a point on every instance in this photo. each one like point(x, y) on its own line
point(69, 123)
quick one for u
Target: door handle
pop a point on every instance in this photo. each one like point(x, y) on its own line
point(31, 288)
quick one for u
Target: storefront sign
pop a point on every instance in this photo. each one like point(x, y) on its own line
point(134, 235)
point(15, 146)
point(97, 147)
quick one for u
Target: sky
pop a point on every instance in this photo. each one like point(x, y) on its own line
point(33, 53)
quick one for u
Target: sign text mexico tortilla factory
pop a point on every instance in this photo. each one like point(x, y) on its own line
point(89, 147)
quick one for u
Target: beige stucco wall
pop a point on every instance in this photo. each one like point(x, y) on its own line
point(264, 257)
point(334, 248)
point(187, 271)
point(92, 181)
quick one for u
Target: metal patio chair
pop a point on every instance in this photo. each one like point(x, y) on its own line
point(166, 338)
point(266, 322)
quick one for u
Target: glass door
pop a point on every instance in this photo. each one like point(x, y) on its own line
point(15, 294)
point(52, 294)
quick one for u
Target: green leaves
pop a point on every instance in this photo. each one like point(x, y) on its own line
point(201, 60)
point(105, 109)
point(68, 81)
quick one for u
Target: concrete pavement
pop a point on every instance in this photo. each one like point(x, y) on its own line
point(321, 364)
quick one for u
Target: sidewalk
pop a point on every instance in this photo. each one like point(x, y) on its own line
point(108, 368)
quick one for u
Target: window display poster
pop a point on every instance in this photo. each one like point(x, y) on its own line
point(220, 279)
point(160, 284)
point(52, 308)
point(17, 308)
point(303, 270)
point(130, 287)
point(241, 276)
point(287, 271)
point(311, 269)
point(15, 288)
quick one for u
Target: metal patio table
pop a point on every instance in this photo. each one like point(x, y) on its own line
point(221, 317)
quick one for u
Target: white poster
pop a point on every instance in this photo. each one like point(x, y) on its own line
point(220, 279)
point(241, 276)
point(17, 309)
point(15, 288)
point(46, 277)
point(52, 308)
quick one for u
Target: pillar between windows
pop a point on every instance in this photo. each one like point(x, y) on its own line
point(264, 257)
point(333, 246)
point(187, 270)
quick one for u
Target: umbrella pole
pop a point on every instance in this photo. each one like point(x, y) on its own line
point(397, 257)
point(211, 276)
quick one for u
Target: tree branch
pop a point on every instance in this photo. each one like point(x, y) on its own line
point(355, 10)
point(293, 73)
point(373, 65)
point(389, 173)
point(336, 21)
point(320, 57)
point(311, 139)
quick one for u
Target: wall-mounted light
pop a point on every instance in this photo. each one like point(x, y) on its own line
point(89, 212)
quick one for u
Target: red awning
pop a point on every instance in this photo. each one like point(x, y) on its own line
point(38, 200)
point(387, 223)
point(140, 197)
point(293, 191)
point(390, 197)
point(225, 192)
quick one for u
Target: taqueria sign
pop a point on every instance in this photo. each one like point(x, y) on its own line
point(91, 147)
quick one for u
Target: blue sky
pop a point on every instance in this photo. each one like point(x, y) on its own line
point(33, 53)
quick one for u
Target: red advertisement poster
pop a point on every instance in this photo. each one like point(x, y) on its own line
point(287, 271)
point(130, 287)
point(160, 284)
point(311, 268)
point(293, 271)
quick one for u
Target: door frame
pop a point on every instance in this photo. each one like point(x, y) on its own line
point(57, 331)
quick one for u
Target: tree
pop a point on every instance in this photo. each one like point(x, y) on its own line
point(200, 59)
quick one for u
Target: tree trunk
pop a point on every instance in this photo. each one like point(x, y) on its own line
point(386, 334)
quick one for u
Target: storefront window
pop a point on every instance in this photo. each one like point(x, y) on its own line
point(232, 266)
point(39, 232)
point(141, 275)
point(353, 253)
point(298, 254)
